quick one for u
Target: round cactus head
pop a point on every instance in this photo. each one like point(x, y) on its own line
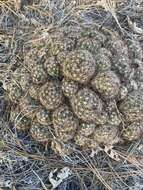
point(132, 106)
point(107, 84)
point(38, 74)
point(69, 87)
point(51, 94)
point(40, 132)
point(14, 91)
point(86, 105)
point(106, 134)
point(43, 116)
point(133, 131)
point(52, 67)
point(64, 119)
point(79, 66)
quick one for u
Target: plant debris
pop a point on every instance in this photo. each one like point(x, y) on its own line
point(71, 94)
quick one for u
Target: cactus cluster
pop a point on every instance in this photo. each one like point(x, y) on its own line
point(77, 92)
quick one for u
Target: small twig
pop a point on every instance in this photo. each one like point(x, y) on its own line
point(42, 183)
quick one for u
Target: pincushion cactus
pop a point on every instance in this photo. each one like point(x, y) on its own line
point(132, 106)
point(103, 59)
point(103, 133)
point(40, 132)
point(38, 74)
point(52, 67)
point(14, 91)
point(90, 44)
point(133, 131)
point(69, 87)
point(22, 76)
point(43, 116)
point(87, 129)
point(107, 84)
point(51, 94)
point(79, 66)
point(86, 105)
point(64, 118)
point(34, 91)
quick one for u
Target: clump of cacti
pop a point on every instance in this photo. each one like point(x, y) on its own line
point(65, 95)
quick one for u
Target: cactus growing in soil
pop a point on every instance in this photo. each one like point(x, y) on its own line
point(63, 90)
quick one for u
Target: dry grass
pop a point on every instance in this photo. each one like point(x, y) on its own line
point(25, 164)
